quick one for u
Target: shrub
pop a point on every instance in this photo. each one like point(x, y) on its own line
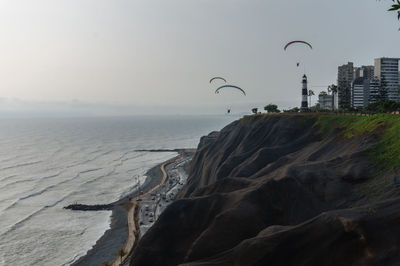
point(121, 252)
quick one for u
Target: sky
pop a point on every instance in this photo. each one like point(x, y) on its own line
point(157, 56)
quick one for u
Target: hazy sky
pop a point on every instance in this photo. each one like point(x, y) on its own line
point(163, 52)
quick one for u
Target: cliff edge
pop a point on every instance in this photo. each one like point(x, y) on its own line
point(286, 190)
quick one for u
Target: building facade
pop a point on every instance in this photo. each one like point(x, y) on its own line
point(366, 72)
point(373, 90)
point(345, 79)
point(360, 92)
point(325, 101)
point(387, 71)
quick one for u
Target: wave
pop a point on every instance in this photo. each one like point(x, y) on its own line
point(51, 176)
point(49, 188)
point(90, 170)
point(30, 180)
point(20, 165)
point(60, 200)
point(22, 221)
point(15, 183)
point(112, 172)
point(7, 178)
point(35, 213)
point(40, 192)
point(89, 160)
point(8, 159)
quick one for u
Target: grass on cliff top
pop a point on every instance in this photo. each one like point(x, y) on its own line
point(386, 152)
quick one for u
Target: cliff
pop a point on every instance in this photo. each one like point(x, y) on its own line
point(286, 190)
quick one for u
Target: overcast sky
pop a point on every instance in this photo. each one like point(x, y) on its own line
point(140, 54)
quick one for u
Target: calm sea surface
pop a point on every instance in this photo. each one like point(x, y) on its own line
point(46, 164)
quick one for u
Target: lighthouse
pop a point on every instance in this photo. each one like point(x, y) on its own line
point(304, 93)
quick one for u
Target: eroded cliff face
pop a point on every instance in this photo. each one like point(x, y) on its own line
point(273, 190)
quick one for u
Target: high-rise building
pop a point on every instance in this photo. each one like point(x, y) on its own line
point(345, 79)
point(373, 90)
point(360, 92)
point(367, 72)
point(387, 71)
point(357, 73)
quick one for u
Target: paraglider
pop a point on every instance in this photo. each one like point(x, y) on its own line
point(211, 80)
point(293, 42)
point(230, 86)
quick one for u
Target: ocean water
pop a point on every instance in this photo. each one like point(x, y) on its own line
point(49, 163)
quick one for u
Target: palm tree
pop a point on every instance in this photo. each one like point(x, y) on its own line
point(396, 7)
point(332, 88)
point(310, 93)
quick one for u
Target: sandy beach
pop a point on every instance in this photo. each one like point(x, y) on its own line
point(106, 248)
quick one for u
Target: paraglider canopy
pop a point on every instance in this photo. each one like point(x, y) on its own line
point(293, 42)
point(231, 86)
point(211, 80)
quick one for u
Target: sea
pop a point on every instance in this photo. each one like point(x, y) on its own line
point(49, 163)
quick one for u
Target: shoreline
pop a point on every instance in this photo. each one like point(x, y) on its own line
point(106, 247)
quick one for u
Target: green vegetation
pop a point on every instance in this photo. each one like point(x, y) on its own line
point(121, 252)
point(254, 110)
point(310, 94)
point(386, 152)
point(272, 108)
point(383, 107)
point(396, 7)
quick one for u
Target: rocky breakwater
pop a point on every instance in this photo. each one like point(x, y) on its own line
point(286, 190)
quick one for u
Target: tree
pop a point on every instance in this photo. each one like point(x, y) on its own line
point(383, 107)
point(254, 110)
point(396, 7)
point(333, 88)
point(310, 93)
point(272, 108)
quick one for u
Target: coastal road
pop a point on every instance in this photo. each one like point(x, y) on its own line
point(146, 208)
point(155, 202)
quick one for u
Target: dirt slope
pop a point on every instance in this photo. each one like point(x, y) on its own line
point(276, 191)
